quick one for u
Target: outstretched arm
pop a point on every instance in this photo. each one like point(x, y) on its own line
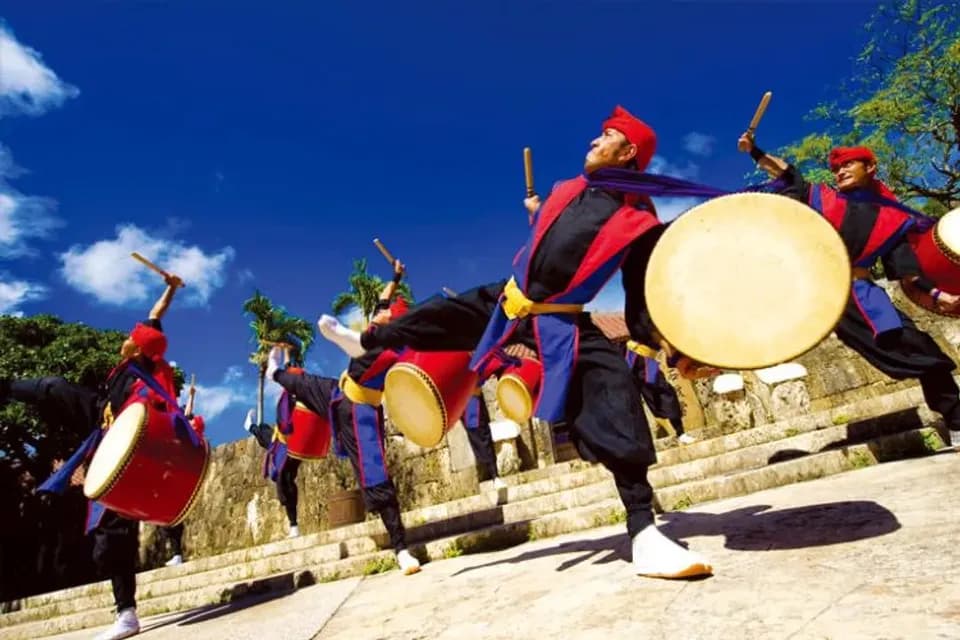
point(774, 166)
point(163, 302)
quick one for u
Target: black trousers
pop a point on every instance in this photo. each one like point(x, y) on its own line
point(662, 399)
point(115, 544)
point(287, 492)
point(481, 441)
point(116, 539)
point(369, 465)
point(175, 535)
point(603, 406)
point(904, 354)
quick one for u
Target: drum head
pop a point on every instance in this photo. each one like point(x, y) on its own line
point(947, 233)
point(115, 449)
point(747, 281)
point(514, 399)
point(414, 405)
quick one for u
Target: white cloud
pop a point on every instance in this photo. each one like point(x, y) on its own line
point(662, 166)
point(106, 270)
point(21, 217)
point(699, 144)
point(14, 293)
point(27, 85)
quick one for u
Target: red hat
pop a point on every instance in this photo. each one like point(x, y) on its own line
point(845, 154)
point(636, 131)
point(199, 426)
point(398, 308)
point(152, 342)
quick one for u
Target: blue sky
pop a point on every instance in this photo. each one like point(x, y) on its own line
point(245, 145)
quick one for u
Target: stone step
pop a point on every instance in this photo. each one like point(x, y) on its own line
point(741, 450)
point(583, 508)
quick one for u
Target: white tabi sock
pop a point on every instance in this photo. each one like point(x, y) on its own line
point(657, 556)
point(346, 339)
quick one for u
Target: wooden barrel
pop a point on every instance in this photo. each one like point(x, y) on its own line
point(345, 507)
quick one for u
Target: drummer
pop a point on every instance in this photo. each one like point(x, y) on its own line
point(871, 325)
point(116, 539)
point(175, 533)
point(654, 388)
point(580, 236)
point(357, 420)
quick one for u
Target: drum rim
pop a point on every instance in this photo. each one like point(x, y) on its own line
point(420, 375)
point(514, 380)
point(941, 245)
point(126, 457)
point(741, 366)
point(196, 490)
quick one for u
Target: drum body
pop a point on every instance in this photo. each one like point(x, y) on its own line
point(144, 470)
point(938, 252)
point(311, 436)
point(518, 388)
point(425, 393)
point(747, 281)
point(924, 299)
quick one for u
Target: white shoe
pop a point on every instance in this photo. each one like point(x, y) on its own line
point(498, 483)
point(125, 626)
point(347, 339)
point(294, 532)
point(408, 564)
point(175, 561)
point(954, 439)
point(686, 439)
point(657, 556)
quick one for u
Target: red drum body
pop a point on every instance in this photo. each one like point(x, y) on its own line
point(144, 469)
point(938, 252)
point(518, 388)
point(311, 436)
point(425, 393)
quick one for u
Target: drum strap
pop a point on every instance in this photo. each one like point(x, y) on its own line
point(517, 305)
point(359, 394)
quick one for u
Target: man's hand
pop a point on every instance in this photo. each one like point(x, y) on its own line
point(398, 269)
point(746, 143)
point(948, 302)
point(173, 281)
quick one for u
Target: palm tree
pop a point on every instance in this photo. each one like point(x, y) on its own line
point(364, 293)
point(273, 324)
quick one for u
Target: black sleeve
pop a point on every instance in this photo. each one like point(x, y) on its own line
point(313, 391)
point(153, 323)
point(796, 186)
point(634, 272)
point(901, 262)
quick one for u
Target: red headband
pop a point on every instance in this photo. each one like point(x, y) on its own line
point(636, 131)
point(152, 343)
point(840, 155)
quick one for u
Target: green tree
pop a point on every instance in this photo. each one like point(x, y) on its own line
point(903, 101)
point(44, 345)
point(270, 324)
point(364, 292)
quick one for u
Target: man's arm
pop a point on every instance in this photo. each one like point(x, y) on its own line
point(387, 294)
point(794, 184)
point(163, 302)
point(634, 273)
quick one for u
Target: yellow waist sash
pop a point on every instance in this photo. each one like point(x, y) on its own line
point(517, 305)
point(279, 436)
point(641, 349)
point(359, 394)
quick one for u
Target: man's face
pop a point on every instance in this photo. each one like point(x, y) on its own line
point(611, 149)
point(854, 174)
point(129, 349)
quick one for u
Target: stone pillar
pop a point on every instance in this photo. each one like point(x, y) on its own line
point(783, 391)
point(730, 404)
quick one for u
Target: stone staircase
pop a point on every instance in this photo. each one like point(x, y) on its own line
point(562, 498)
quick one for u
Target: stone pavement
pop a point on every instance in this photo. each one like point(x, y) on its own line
point(868, 554)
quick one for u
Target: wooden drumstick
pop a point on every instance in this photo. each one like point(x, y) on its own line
point(149, 265)
point(450, 292)
point(528, 170)
point(383, 250)
point(761, 109)
point(193, 382)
